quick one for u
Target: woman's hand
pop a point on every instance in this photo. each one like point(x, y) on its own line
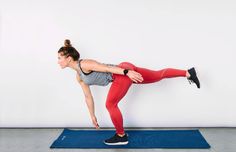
point(135, 76)
point(95, 123)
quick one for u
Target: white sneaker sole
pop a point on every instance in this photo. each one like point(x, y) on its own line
point(119, 143)
point(197, 72)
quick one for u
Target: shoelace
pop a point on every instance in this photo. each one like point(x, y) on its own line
point(190, 81)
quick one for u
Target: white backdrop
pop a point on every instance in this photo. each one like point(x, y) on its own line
point(35, 92)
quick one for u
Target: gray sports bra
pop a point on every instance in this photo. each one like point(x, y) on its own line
point(96, 78)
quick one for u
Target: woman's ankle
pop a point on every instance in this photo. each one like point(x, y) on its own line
point(187, 74)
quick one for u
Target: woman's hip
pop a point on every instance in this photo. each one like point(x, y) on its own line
point(127, 65)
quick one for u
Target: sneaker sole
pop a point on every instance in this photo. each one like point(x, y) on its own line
point(119, 143)
point(196, 70)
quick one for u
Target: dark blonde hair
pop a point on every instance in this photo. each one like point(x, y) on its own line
point(68, 50)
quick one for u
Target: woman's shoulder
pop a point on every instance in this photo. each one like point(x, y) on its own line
point(88, 60)
point(85, 62)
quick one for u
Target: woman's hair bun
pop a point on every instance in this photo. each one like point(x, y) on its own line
point(67, 43)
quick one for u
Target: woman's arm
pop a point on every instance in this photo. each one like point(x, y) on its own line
point(89, 101)
point(96, 66)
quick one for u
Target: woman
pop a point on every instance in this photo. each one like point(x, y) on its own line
point(122, 76)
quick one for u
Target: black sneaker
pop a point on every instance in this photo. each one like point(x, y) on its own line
point(117, 140)
point(193, 77)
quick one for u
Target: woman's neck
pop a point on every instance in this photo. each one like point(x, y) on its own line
point(74, 65)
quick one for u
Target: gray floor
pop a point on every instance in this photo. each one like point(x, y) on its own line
point(39, 140)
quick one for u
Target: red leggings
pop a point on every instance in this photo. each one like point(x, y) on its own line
point(121, 84)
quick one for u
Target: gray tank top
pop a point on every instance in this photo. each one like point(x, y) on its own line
point(96, 78)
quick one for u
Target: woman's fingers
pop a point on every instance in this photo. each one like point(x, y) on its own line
point(95, 123)
point(139, 77)
point(135, 76)
point(97, 126)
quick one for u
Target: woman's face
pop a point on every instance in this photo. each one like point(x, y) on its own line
point(63, 61)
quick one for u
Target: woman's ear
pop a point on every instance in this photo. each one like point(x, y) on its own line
point(69, 59)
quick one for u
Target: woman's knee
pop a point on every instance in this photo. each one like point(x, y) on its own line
point(110, 105)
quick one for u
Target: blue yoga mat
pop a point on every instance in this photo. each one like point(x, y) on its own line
point(93, 139)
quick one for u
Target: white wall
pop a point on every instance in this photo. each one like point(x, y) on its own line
point(35, 92)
